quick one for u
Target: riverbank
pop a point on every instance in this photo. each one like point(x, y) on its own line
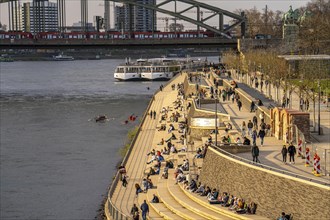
point(92, 54)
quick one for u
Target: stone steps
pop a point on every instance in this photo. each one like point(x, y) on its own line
point(172, 204)
point(218, 208)
point(193, 206)
point(160, 208)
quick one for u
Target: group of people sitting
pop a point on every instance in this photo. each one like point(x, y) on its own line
point(201, 152)
point(179, 173)
point(225, 199)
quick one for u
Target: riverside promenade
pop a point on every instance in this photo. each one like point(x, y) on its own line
point(175, 202)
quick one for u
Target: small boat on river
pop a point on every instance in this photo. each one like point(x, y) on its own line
point(62, 57)
point(101, 118)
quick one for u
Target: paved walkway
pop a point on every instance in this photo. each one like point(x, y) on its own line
point(173, 202)
point(270, 152)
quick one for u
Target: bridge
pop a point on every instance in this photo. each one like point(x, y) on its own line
point(214, 13)
point(118, 43)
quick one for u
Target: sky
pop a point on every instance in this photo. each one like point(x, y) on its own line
point(96, 8)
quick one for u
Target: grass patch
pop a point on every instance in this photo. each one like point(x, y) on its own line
point(130, 136)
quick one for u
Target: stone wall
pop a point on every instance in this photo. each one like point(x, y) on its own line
point(273, 192)
point(302, 121)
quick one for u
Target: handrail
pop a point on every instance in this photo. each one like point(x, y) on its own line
point(116, 179)
point(270, 168)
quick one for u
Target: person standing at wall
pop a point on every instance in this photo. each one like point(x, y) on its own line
point(292, 152)
point(284, 153)
point(255, 153)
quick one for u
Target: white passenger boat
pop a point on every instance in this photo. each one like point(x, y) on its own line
point(154, 69)
point(130, 71)
point(62, 57)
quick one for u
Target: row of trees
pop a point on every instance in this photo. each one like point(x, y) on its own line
point(314, 34)
point(306, 77)
point(303, 74)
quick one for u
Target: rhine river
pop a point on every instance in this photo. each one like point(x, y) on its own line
point(55, 162)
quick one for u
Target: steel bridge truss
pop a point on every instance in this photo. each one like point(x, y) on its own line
point(198, 7)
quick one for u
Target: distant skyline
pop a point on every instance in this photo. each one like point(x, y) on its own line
point(96, 8)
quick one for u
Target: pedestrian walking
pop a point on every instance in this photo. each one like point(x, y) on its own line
point(151, 113)
point(255, 121)
point(135, 212)
point(252, 106)
point(250, 126)
point(255, 154)
point(145, 210)
point(239, 104)
point(254, 137)
point(292, 152)
point(284, 154)
point(243, 129)
point(154, 114)
point(261, 135)
point(124, 180)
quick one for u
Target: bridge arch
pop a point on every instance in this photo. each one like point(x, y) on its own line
point(192, 4)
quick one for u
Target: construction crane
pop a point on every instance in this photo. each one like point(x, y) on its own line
point(201, 13)
point(166, 19)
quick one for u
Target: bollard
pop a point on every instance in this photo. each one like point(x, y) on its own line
point(317, 165)
point(307, 159)
point(299, 148)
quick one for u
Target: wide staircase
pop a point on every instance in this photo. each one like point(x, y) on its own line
point(175, 201)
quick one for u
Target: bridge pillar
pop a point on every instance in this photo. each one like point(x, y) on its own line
point(221, 22)
point(243, 25)
point(198, 19)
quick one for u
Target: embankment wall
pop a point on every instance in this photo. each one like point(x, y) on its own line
point(272, 191)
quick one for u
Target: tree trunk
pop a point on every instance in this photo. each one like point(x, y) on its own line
point(314, 117)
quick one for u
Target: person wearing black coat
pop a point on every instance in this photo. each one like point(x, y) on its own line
point(284, 153)
point(292, 152)
point(255, 153)
point(262, 135)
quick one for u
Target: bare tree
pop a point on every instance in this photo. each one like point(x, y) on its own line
point(314, 34)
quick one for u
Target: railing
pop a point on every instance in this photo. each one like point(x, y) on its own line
point(115, 213)
point(297, 135)
point(319, 181)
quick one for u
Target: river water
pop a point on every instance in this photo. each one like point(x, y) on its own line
point(55, 162)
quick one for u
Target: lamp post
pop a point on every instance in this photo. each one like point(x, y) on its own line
point(319, 112)
point(216, 119)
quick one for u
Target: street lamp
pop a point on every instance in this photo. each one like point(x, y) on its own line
point(319, 112)
point(216, 118)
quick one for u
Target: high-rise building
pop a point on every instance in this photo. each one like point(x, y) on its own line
point(140, 18)
point(39, 16)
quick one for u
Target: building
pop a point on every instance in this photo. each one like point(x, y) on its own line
point(142, 19)
point(39, 16)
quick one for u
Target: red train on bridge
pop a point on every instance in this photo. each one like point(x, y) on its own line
point(105, 35)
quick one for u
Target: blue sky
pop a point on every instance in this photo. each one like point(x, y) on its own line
point(96, 7)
